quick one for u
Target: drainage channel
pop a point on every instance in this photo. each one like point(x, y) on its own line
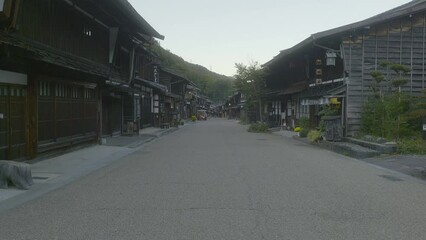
point(43, 177)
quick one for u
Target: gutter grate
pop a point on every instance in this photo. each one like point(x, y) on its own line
point(40, 178)
point(391, 178)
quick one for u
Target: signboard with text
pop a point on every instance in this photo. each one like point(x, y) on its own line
point(156, 74)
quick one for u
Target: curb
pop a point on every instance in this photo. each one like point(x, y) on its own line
point(418, 172)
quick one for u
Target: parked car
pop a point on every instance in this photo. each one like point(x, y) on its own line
point(201, 114)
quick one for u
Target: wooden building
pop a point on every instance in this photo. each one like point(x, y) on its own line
point(66, 68)
point(149, 100)
point(235, 105)
point(334, 66)
point(171, 101)
point(191, 93)
point(146, 81)
point(203, 102)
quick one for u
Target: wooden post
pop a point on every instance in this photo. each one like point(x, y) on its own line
point(32, 117)
point(100, 113)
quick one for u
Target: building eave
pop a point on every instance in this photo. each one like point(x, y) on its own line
point(130, 11)
point(407, 9)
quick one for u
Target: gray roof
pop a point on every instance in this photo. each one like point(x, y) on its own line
point(403, 10)
point(180, 75)
point(174, 73)
point(138, 19)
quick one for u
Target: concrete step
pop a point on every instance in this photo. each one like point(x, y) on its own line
point(385, 148)
point(350, 149)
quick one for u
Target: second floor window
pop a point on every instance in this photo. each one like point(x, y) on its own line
point(87, 31)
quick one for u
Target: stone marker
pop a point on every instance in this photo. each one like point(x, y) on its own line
point(16, 173)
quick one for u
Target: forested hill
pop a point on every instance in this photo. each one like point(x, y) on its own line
point(215, 86)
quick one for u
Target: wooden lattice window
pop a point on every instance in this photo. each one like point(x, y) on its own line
point(76, 92)
point(61, 90)
point(44, 89)
point(89, 93)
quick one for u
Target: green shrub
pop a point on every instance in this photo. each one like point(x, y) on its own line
point(305, 123)
point(243, 118)
point(327, 110)
point(297, 129)
point(411, 146)
point(193, 118)
point(258, 128)
point(305, 127)
point(314, 136)
point(304, 132)
point(243, 122)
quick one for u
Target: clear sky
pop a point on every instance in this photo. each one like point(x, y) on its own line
point(219, 33)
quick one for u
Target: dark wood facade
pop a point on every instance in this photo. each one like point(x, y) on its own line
point(60, 26)
point(298, 80)
point(66, 71)
point(13, 121)
point(234, 107)
point(173, 105)
point(67, 112)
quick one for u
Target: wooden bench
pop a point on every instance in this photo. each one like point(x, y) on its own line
point(165, 125)
point(16, 173)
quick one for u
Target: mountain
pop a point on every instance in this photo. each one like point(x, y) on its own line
point(215, 86)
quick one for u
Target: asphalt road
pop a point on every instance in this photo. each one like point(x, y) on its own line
point(214, 180)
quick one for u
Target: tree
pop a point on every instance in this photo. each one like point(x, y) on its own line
point(250, 81)
point(385, 112)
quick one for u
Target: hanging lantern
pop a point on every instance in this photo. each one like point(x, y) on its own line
point(318, 72)
point(318, 62)
point(331, 58)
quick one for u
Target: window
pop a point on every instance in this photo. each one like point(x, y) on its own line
point(44, 89)
point(89, 93)
point(76, 92)
point(3, 91)
point(61, 90)
point(87, 31)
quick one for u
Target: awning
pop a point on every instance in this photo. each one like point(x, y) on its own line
point(172, 95)
point(330, 98)
point(152, 84)
point(114, 86)
point(192, 87)
point(294, 88)
point(340, 90)
point(318, 101)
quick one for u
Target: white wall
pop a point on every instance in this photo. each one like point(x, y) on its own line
point(13, 78)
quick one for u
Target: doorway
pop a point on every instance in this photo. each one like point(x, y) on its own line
point(12, 121)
